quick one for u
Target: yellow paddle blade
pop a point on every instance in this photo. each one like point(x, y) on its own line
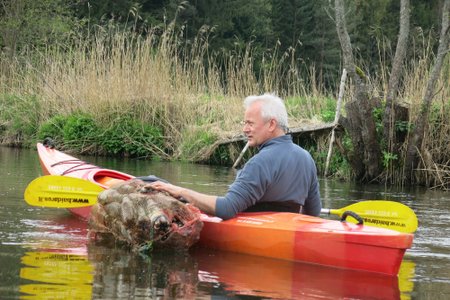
point(382, 213)
point(61, 191)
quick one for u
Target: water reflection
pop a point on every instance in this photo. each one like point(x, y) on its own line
point(75, 268)
point(120, 274)
point(115, 273)
point(56, 276)
point(269, 278)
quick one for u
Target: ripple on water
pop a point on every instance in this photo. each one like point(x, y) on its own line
point(424, 253)
point(432, 241)
point(42, 234)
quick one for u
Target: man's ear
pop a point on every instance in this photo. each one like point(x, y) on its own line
point(273, 124)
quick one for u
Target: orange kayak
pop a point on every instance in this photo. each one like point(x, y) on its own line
point(286, 236)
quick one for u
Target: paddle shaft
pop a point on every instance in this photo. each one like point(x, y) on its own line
point(69, 192)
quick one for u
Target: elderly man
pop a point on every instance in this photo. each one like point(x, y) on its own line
point(281, 177)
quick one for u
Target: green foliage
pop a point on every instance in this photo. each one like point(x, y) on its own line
point(388, 158)
point(221, 156)
point(377, 114)
point(306, 28)
point(129, 137)
point(338, 166)
point(226, 154)
point(34, 24)
point(19, 116)
point(80, 132)
point(195, 142)
point(296, 107)
point(123, 136)
point(79, 126)
point(328, 113)
point(403, 126)
point(305, 107)
point(53, 128)
point(130, 13)
point(365, 22)
point(439, 114)
point(234, 24)
point(423, 15)
point(295, 101)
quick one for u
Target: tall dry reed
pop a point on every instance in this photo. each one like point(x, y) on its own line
point(156, 79)
point(434, 169)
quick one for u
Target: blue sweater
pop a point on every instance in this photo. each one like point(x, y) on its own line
point(281, 172)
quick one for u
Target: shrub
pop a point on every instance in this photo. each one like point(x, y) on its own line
point(128, 137)
point(53, 128)
point(80, 132)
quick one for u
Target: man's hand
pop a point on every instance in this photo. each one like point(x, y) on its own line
point(205, 203)
point(174, 190)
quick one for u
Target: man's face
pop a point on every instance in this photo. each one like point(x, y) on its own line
point(256, 128)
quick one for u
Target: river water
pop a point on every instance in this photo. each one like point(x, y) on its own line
point(45, 254)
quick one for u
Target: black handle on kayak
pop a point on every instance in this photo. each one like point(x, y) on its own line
point(151, 178)
point(352, 214)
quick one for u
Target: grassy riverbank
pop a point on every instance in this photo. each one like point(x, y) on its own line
point(118, 94)
point(123, 83)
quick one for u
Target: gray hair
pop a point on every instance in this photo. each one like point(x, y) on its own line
point(272, 108)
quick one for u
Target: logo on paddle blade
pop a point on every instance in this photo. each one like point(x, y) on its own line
point(63, 200)
point(386, 223)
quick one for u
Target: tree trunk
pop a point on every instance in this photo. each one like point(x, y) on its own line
point(361, 124)
point(416, 137)
point(394, 112)
point(356, 156)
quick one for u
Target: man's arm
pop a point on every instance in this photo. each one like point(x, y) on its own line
point(206, 203)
